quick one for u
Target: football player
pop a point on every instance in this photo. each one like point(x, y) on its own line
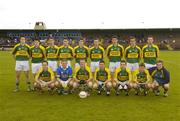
point(115, 53)
point(21, 53)
point(123, 77)
point(96, 54)
point(161, 77)
point(102, 80)
point(150, 53)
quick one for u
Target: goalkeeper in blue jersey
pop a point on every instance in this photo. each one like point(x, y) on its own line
point(161, 77)
point(64, 77)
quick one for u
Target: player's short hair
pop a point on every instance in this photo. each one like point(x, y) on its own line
point(82, 60)
point(102, 61)
point(114, 36)
point(123, 61)
point(22, 37)
point(52, 39)
point(132, 37)
point(64, 60)
point(150, 36)
point(36, 40)
point(45, 62)
point(142, 65)
point(65, 38)
point(81, 38)
point(159, 61)
point(96, 39)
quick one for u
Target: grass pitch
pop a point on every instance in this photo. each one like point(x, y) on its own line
point(29, 106)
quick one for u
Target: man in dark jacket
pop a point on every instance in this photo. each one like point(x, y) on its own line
point(161, 77)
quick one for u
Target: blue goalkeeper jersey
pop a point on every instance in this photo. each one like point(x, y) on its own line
point(64, 74)
point(160, 75)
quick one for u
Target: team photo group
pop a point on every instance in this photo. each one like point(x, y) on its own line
point(116, 69)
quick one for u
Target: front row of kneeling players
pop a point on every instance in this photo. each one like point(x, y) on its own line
point(141, 79)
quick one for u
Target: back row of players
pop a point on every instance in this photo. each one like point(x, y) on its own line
point(127, 67)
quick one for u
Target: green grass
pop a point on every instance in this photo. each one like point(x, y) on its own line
point(25, 106)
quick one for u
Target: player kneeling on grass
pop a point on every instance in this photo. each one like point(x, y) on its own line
point(83, 77)
point(141, 79)
point(161, 77)
point(102, 79)
point(44, 78)
point(122, 78)
point(64, 77)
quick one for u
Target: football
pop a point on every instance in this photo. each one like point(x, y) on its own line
point(83, 94)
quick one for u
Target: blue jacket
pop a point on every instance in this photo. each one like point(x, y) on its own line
point(64, 74)
point(165, 72)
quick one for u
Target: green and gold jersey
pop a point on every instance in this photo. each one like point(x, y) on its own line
point(51, 53)
point(65, 53)
point(21, 52)
point(83, 74)
point(141, 77)
point(123, 74)
point(97, 54)
point(102, 75)
point(150, 54)
point(38, 54)
point(115, 53)
point(81, 53)
point(132, 54)
point(45, 75)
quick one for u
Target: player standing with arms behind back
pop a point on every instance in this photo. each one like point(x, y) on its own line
point(115, 53)
point(132, 54)
point(51, 55)
point(66, 51)
point(21, 54)
point(80, 52)
point(37, 53)
point(96, 55)
point(150, 53)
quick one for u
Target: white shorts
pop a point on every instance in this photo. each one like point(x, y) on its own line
point(94, 66)
point(141, 85)
point(113, 66)
point(149, 65)
point(68, 63)
point(77, 65)
point(101, 83)
point(123, 85)
point(133, 66)
point(43, 84)
point(53, 65)
point(22, 66)
point(64, 83)
point(36, 67)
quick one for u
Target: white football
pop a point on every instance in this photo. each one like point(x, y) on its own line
point(83, 94)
